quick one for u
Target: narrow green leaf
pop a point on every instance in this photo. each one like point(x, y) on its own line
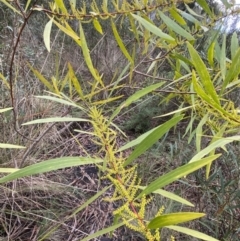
point(216, 137)
point(47, 33)
point(177, 174)
point(75, 81)
point(200, 92)
point(87, 57)
point(133, 27)
point(55, 119)
point(181, 57)
point(41, 78)
point(205, 7)
point(193, 233)
point(199, 132)
point(175, 27)
point(137, 95)
point(5, 109)
point(192, 12)
point(50, 165)
point(103, 102)
point(97, 25)
point(177, 16)
point(211, 54)
point(173, 218)
point(170, 195)
point(4, 81)
point(5, 145)
point(120, 43)
point(176, 111)
point(27, 5)
point(234, 45)
point(65, 102)
point(10, 6)
point(136, 141)
point(189, 17)
point(203, 73)
point(55, 85)
point(154, 29)
point(219, 143)
point(61, 5)
point(8, 170)
point(69, 31)
point(233, 71)
point(152, 138)
point(217, 51)
point(103, 231)
point(233, 83)
point(223, 59)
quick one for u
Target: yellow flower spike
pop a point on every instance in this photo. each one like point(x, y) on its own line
point(157, 234)
point(149, 236)
point(131, 226)
point(172, 238)
point(142, 207)
point(149, 200)
point(124, 180)
point(160, 211)
point(120, 210)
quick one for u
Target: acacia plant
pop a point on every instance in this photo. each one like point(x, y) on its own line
point(164, 34)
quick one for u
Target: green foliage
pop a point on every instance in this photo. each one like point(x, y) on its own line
point(201, 84)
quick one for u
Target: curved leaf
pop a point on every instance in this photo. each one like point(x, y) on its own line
point(5, 109)
point(61, 5)
point(177, 16)
point(175, 27)
point(55, 119)
point(203, 73)
point(10, 6)
point(4, 80)
point(137, 95)
point(65, 102)
point(50, 165)
point(69, 31)
point(170, 195)
point(8, 170)
point(211, 53)
point(173, 218)
point(193, 233)
point(205, 6)
point(5, 145)
point(177, 174)
point(42, 78)
point(154, 29)
point(87, 57)
point(219, 143)
point(152, 138)
point(97, 25)
point(234, 44)
point(234, 69)
point(120, 42)
point(47, 33)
